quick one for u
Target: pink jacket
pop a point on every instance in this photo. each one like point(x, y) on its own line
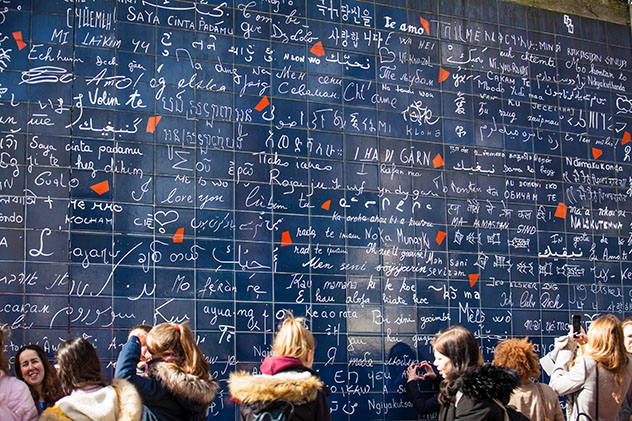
point(16, 403)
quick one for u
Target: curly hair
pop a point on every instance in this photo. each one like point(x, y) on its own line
point(518, 354)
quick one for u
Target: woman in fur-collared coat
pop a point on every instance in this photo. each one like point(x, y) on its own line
point(178, 385)
point(90, 397)
point(288, 383)
point(470, 390)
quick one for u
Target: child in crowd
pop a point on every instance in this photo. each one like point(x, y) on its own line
point(16, 403)
point(33, 368)
point(178, 384)
point(90, 398)
point(536, 401)
point(288, 383)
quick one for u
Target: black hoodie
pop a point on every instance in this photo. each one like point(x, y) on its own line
point(478, 388)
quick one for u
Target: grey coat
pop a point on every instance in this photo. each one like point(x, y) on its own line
point(579, 382)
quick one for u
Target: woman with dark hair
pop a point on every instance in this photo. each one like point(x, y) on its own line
point(16, 403)
point(418, 374)
point(33, 368)
point(596, 379)
point(536, 401)
point(90, 397)
point(470, 390)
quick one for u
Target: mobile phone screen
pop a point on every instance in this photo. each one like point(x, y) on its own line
point(577, 328)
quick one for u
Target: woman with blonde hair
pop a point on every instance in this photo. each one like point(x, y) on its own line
point(178, 384)
point(470, 390)
point(536, 401)
point(596, 379)
point(288, 384)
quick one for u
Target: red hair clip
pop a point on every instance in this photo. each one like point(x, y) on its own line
point(177, 327)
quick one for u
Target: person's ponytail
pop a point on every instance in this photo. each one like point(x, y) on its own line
point(193, 361)
point(176, 344)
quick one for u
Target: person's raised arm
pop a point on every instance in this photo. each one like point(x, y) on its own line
point(126, 366)
point(421, 372)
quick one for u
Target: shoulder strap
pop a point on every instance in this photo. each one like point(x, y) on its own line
point(546, 415)
point(281, 413)
point(597, 386)
point(497, 402)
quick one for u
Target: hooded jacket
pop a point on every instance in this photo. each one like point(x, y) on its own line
point(286, 383)
point(168, 393)
point(478, 388)
point(118, 402)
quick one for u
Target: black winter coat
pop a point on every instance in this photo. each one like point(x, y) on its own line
point(478, 388)
point(297, 388)
point(425, 403)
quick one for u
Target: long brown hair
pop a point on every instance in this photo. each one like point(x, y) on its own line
point(460, 346)
point(607, 347)
point(4, 361)
point(176, 344)
point(79, 365)
point(51, 385)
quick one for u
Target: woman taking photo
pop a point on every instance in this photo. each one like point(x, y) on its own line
point(90, 397)
point(596, 378)
point(288, 384)
point(33, 368)
point(470, 390)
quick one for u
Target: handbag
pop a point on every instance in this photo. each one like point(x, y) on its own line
point(546, 416)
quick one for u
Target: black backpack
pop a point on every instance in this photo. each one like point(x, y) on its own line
point(272, 415)
point(283, 413)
